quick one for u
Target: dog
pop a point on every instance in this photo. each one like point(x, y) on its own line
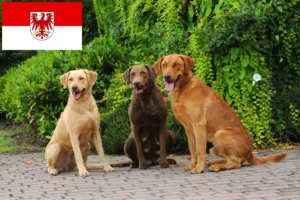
point(206, 117)
point(79, 122)
point(150, 141)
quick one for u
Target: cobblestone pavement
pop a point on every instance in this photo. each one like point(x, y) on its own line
point(25, 177)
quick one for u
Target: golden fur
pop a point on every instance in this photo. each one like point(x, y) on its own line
point(78, 123)
point(207, 117)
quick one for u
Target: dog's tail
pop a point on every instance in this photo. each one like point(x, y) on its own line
point(121, 164)
point(94, 166)
point(266, 159)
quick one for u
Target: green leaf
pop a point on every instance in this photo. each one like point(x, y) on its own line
point(226, 68)
point(249, 87)
point(277, 37)
point(207, 13)
point(234, 53)
point(279, 8)
point(243, 73)
point(257, 12)
point(247, 45)
point(191, 12)
point(228, 99)
point(259, 142)
point(244, 60)
point(230, 83)
point(217, 9)
point(231, 91)
point(281, 59)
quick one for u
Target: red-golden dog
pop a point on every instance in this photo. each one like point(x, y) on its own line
point(207, 117)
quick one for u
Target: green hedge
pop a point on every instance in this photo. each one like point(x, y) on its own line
point(230, 41)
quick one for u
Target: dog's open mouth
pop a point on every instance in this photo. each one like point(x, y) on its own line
point(77, 94)
point(139, 90)
point(170, 86)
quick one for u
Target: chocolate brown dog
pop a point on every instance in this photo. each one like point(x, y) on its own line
point(150, 141)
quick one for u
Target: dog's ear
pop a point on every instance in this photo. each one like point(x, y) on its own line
point(188, 62)
point(91, 77)
point(64, 79)
point(126, 76)
point(157, 66)
point(152, 73)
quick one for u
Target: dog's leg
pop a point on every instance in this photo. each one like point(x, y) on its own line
point(142, 161)
point(171, 139)
point(131, 152)
point(200, 136)
point(192, 147)
point(213, 162)
point(98, 145)
point(162, 141)
point(85, 153)
point(214, 152)
point(169, 145)
point(225, 166)
point(77, 152)
point(52, 156)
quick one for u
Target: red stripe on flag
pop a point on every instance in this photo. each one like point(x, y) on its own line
point(18, 13)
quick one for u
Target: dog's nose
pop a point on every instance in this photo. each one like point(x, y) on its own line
point(74, 87)
point(136, 83)
point(167, 77)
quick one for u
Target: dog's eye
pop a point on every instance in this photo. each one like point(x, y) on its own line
point(70, 79)
point(176, 65)
point(164, 65)
point(132, 74)
point(81, 78)
point(143, 73)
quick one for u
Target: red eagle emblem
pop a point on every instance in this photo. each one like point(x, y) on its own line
point(42, 25)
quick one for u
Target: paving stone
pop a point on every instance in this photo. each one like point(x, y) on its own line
point(31, 181)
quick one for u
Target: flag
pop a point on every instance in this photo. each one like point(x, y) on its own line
point(41, 26)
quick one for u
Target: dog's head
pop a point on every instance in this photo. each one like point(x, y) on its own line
point(79, 82)
point(174, 69)
point(140, 76)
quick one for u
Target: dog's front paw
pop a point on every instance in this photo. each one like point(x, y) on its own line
point(197, 170)
point(52, 171)
point(143, 165)
point(190, 166)
point(108, 168)
point(82, 171)
point(164, 164)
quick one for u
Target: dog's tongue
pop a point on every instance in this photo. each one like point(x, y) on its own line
point(138, 91)
point(77, 96)
point(169, 86)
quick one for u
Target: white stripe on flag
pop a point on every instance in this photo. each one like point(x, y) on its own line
point(20, 38)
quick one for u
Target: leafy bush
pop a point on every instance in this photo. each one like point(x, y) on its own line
point(233, 41)
point(115, 124)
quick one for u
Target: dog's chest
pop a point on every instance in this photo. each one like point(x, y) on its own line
point(150, 142)
point(179, 111)
point(185, 113)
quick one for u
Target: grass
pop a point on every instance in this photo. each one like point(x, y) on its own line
point(7, 144)
point(12, 141)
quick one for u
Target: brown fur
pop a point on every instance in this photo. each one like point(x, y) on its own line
point(207, 117)
point(150, 141)
point(78, 124)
